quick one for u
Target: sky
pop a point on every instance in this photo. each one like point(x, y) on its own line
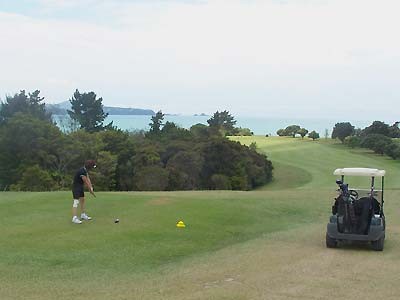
point(332, 59)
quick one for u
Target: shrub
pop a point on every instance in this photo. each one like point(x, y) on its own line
point(104, 174)
point(376, 142)
point(244, 132)
point(352, 141)
point(239, 183)
point(392, 150)
point(220, 182)
point(35, 179)
point(151, 178)
point(185, 168)
point(178, 180)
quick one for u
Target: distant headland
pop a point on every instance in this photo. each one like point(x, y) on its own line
point(61, 109)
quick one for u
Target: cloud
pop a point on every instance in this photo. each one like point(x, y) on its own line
point(204, 55)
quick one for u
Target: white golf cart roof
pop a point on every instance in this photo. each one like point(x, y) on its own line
point(359, 172)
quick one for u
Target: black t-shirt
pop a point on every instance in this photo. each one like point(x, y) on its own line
point(78, 176)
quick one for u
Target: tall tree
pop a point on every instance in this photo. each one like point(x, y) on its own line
point(377, 127)
point(28, 104)
point(313, 135)
point(156, 122)
point(292, 130)
point(224, 122)
point(342, 130)
point(26, 141)
point(88, 111)
point(376, 142)
point(394, 130)
point(303, 132)
point(281, 132)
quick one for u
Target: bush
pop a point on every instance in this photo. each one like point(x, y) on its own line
point(178, 180)
point(220, 182)
point(392, 150)
point(185, 169)
point(239, 183)
point(35, 179)
point(200, 131)
point(376, 142)
point(152, 178)
point(258, 169)
point(104, 174)
point(352, 141)
point(244, 132)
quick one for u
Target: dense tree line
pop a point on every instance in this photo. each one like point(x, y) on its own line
point(36, 155)
point(379, 137)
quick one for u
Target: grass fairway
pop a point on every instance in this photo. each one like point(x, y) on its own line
point(264, 244)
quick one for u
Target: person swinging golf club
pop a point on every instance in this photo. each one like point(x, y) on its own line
point(81, 177)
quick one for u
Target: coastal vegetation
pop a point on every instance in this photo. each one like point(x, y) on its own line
point(167, 157)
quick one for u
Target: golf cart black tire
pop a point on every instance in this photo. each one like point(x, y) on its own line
point(330, 242)
point(378, 244)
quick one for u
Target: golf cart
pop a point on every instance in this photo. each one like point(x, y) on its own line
point(357, 215)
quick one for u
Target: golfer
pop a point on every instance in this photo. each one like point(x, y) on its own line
point(81, 177)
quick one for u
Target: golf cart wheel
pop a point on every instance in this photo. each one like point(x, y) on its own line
point(330, 242)
point(378, 245)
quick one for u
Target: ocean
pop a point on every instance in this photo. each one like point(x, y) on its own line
point(258, 125)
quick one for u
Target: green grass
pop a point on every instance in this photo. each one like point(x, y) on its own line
point(47, 257)
point(38, 235)
point(319, 159)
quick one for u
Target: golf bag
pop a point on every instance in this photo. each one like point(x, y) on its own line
point(354, 215)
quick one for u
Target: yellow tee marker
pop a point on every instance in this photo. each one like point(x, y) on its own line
point(180, 224)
